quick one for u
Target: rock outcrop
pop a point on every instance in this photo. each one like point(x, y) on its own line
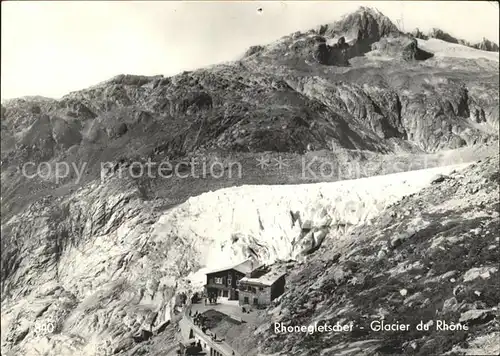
point(354, 35)
point(419, 34)
point(441, 35)
point(365, 25)
point(486, 45)
point(405, 47)
point(337, 54)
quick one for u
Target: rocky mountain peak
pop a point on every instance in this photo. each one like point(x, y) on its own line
point(354, 34)
point(364, 23)
point(442, 35)
point(487, 45)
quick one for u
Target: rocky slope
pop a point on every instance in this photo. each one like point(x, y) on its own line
point(103, 267)
point(270, 101)
point(431, 256)
point(99, 251)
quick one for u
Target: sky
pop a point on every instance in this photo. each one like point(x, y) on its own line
point(54, 47)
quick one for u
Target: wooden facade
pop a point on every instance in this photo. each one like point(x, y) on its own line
point(223, 283)
point(255, 286)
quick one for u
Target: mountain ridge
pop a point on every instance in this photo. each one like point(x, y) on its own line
point(484, 44)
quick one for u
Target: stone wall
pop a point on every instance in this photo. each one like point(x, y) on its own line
point(263, 296)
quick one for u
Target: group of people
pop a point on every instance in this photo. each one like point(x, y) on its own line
point(211, 298)
point(199, 319)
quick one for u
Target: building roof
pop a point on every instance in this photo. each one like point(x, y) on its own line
point(243, 267)
point(266, 279)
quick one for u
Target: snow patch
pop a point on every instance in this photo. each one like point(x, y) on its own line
point(445, 49)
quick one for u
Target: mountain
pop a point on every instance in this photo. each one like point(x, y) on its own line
point(109, 210)
point(364, 23)
point(486, 45)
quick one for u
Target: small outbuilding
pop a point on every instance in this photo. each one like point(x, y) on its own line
point(261, 286)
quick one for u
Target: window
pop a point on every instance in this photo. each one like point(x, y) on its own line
point(245, 300)
point(229, 281)
point(255, 301)
point(261, 288)
point(219, 280)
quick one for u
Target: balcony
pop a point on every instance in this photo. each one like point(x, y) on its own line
point(215, 285)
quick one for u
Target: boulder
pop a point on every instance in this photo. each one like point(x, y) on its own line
point(411, 52)
point(479, 272)
point(476, 316)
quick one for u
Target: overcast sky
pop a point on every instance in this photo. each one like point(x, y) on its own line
point(52, 48)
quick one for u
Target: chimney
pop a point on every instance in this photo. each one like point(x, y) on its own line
point(251, 259)
point(252, 266)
